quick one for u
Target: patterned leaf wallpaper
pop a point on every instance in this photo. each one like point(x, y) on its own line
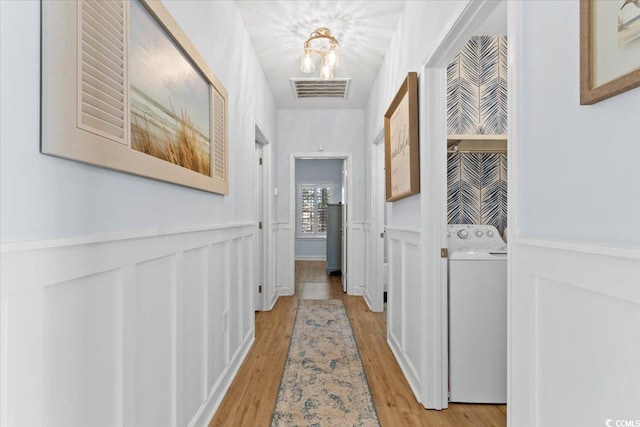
point(477, 189)
point(477, 104)
point(477, 88)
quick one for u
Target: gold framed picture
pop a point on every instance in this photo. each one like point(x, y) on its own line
point(402, 151)
point(609, 48)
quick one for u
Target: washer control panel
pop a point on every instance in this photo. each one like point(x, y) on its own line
point(470, 235)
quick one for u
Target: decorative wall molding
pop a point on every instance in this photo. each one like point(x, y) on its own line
point(588, 292)
point(404, 315)
point(284, 258)
point(141, 329)
point(356, 259)
point(369, 267)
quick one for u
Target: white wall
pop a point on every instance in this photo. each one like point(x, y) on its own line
point(309, 171)
point(304, 131)
point(575, 246)
point(419, 26)
point(337, 131)
point(168, 269)
point(589, 190)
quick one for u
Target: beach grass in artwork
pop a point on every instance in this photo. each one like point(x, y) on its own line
point(170, 98)
point(180, 147)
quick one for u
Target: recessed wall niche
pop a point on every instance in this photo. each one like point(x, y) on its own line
point(477, 108)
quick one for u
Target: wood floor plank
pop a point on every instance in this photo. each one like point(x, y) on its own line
point(252, 396)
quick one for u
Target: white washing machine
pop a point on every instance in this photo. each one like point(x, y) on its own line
point(477, 314)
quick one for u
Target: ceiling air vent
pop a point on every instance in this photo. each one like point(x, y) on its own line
point(316, 88)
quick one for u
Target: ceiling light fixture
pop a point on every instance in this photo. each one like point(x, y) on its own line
point(323, 44)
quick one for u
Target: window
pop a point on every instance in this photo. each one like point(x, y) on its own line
point(312, 209)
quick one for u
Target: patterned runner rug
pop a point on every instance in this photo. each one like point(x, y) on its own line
point(324, 382)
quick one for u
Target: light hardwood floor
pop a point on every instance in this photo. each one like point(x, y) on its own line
point(252, 396)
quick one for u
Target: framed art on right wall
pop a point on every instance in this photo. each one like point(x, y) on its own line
point(402, 153)
point(609, 48)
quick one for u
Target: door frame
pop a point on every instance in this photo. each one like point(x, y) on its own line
point(374, 291)
point(348, 164)
point(263, 301)
point(464, 21)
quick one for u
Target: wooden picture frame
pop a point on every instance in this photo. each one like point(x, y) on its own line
point(609, 56)
point(124, 88)
point(402, 147)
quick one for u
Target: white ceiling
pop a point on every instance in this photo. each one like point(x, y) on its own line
point(278, 29)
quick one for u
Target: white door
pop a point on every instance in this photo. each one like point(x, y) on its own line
point(345, 224)
point(258, 204)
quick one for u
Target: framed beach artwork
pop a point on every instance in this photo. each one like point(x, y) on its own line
point(402, 156)
point(609, 48)
point(125, 89)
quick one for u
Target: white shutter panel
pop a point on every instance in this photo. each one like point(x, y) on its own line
point(218, 140)
point(307, 211)
point(102, 78)
point(322, 201)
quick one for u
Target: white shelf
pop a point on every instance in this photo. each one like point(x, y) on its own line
point(461, 137)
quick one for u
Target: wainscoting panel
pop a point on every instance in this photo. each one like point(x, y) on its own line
point(404, 301)
point(369, 287)
point(357, 259)
point(192, 333)
point(148, 341)
point(81, 330)
point(284, 254)
point(395, 294)
point(218, 311)
point(235, 295)
point(575, 335)
point(412, 306)
point(248, 292)
point(134, 330)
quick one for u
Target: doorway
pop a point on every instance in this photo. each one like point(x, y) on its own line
point(259, 221)
point(313, 183)
point(434, 133)
point(375, 290)
point(264, 288)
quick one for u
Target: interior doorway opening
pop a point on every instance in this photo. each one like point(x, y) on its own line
point(264, 295)
point(438, 135)
point(320, 209)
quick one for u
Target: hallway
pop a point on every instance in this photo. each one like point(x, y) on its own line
point(252, 396)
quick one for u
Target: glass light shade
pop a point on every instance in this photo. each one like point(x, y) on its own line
point(307, 64)
point(332, 56)
point(326, 73)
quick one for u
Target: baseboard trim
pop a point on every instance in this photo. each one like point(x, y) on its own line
point(311, 258)
point(219, 390)
point(405, 366)
point(283, 291)
point(274, 300)
point(355, 291)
